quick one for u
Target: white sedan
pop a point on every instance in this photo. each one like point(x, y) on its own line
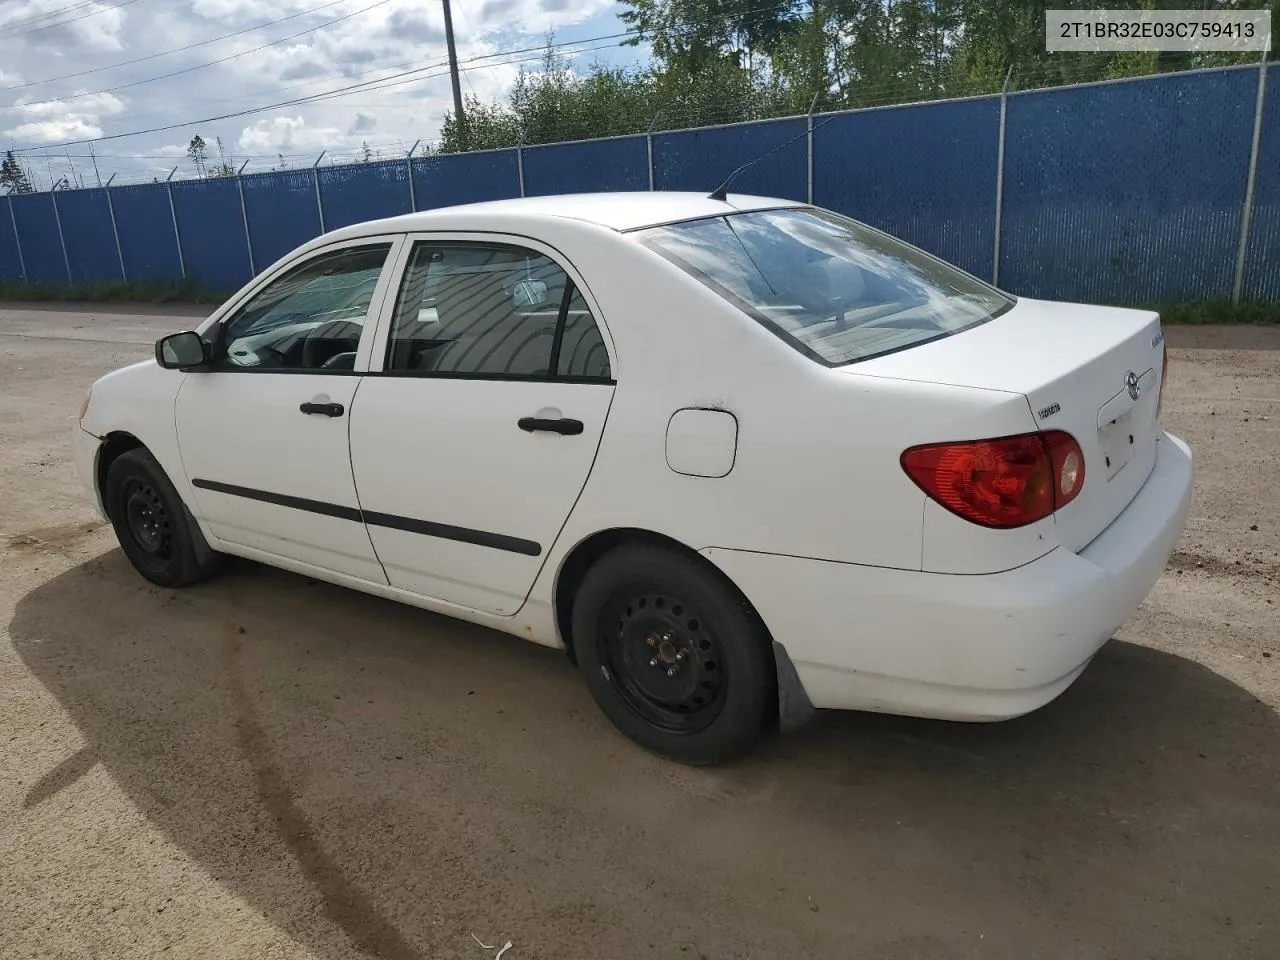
point(740, 458)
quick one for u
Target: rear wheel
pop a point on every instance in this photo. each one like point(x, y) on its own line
point(151, 523)
point(673, 655)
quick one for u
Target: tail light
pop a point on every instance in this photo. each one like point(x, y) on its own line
point(1006, 482)
point(1164, 375)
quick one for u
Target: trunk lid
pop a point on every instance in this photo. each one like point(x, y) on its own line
point(1091, 371)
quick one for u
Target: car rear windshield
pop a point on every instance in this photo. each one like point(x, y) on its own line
point(836, 289)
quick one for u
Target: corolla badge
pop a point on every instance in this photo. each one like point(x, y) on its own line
point(1131, 384)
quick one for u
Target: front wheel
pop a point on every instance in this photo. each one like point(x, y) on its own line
point(151, 524)
point(673, 655)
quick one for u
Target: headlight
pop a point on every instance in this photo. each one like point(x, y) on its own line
point(84, 407)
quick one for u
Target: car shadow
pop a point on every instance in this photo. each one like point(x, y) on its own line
point(371, 776)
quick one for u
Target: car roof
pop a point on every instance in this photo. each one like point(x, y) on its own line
point(616, 211)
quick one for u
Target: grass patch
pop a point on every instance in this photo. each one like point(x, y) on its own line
point(115, 291)
point(1219, 311)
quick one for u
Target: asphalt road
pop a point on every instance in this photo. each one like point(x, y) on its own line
point(268, 767)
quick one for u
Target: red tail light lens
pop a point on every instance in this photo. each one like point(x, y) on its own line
point(1002, 483)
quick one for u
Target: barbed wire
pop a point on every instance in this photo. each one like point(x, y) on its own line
point(681, 116)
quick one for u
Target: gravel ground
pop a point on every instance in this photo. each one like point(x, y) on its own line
point(269, 767)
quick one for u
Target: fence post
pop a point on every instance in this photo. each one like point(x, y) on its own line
point(315, 174)
point(115, 232)
point(995, 256)
point(244, 213)
point(17, 239)
point(173, 212)
point(57, 217)
point(408, 163)
point(648, 142)
point(809, 137)
point(520, 166)
point(1247, 216)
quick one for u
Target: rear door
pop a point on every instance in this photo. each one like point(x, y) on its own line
point(473, 443)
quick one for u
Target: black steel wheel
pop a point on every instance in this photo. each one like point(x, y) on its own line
point(148, 520)
point(664, 660)
point(673, 655)
point(151, 523)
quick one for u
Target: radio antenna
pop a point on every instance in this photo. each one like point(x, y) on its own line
point(721, 192)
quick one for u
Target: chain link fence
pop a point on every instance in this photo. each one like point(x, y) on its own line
point(1144, 190)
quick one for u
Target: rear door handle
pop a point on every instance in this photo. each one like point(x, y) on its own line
point(325, 409)
point(563, 425)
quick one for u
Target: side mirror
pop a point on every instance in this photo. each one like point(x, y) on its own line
point(181, 351)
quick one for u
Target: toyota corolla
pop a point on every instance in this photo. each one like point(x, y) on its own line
point(740, 457)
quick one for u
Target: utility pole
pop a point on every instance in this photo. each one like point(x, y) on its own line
point(459, 116)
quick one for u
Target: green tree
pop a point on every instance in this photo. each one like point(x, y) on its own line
point(197, 150)
point(13, 176)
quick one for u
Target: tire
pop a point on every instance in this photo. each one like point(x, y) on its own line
point(152, 525)
point(673, 655)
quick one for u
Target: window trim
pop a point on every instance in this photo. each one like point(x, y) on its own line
point(214, 329)
point(381, 344)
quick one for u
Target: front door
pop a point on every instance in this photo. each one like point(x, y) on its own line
point(473, 445)
point(263, 434)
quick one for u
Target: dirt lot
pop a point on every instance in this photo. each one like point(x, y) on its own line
point(268, 767)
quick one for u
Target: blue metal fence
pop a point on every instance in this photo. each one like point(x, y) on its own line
point(90, 241)
point(148, 241)
point(1136, 187)
point(594, 165)
point(210, 228)
point(701, 159)
point(441, 181)
point(10, 261)
point(281, 211)
point(925, 173)
point(38, 230)
point(1124, 191)
point(1262, 263)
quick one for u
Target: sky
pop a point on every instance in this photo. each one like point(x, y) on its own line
point(74, 70)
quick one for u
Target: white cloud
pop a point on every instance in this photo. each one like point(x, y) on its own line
point(285, 135)
point(55, 131)
point(387, 40)
point(56, 27)
point(76, 119)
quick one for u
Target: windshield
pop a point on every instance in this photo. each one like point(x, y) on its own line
point(835, 288)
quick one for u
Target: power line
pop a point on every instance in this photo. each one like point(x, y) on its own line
point(63, 23)
point(165, 53)
point(415, 65)
point(48, 14)
point(198, 66)
point(330, 94)
point(631, 32)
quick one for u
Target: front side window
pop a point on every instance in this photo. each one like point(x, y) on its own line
point(310, 318)
point(835, 288)
point(491, 310)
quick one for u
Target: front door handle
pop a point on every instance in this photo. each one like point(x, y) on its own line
point(325, 409)
point(562, 425)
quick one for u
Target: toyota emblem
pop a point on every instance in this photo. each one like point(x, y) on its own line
point(1131, 384)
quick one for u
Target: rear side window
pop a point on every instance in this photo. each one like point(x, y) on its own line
point(491, 310)
point(836, 289)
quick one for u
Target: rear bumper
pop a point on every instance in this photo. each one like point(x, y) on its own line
point(977, 647)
